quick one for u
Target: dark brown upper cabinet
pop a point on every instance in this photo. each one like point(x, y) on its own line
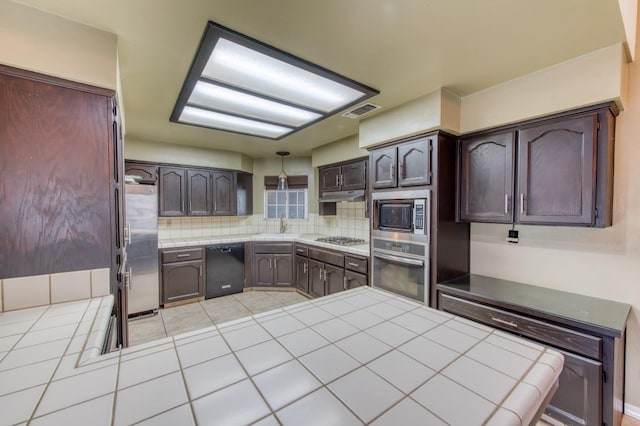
point(556, 178)
point(148, 172)
point(199, 192)
point(244, 194)
point(224, 193)
point(172, 191)
point(343, 177)
point(555, 170)
point(486, 178)
point(402, 165)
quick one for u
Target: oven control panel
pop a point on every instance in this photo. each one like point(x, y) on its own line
point(400, 247)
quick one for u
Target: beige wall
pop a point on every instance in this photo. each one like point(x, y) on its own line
point(335, 152)
point(596, 262)
point(292, 166)
point(37, 41)
point(188, 155)
point(596, 77)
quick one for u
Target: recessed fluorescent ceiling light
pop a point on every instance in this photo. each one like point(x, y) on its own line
point(242, 85)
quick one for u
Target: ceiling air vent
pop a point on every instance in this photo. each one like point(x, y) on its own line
point(361, 110)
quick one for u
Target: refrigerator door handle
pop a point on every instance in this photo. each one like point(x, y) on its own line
point(127, 233)
point(127, 279)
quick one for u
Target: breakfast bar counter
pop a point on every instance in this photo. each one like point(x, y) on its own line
point(361, 356)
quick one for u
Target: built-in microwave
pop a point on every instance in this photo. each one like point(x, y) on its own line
point(401, 211)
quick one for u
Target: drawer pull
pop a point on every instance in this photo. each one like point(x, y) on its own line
point(355, 265)
point(501, 321)
point(184, 255)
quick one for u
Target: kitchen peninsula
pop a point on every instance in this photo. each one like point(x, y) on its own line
point(361, 356)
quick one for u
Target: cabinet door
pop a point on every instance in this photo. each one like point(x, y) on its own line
point(224, 193)
point(580, 390)
point(414, 163)
point(486, 178)
point(316, 278)
point(302, 274)
point(264, 269)
point(334, 278)
point(354, 175)
point(329, 178)
point(556, 177)
point(172, 191)
point(148, 172)
point(182, 280)
point(354, 279)
point(283, 269)
point(383, 168)
point(199, 192)
point(244, 194)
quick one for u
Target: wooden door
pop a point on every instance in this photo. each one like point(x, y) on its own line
point(264, 270)
point(334, 278)
point(354, 279)
point(172, 191)
point(199, 192)
point(414, 163)
point(354, 175)
point(486, 178)
point(224, 199)
point(302, 274)
point(556, 172)
point(148, 172)
point(329, 178)
point(182, 280)
point(316, 278)
point(283, 265)
point(579, 391)
point(57, 175)
point(383, 167)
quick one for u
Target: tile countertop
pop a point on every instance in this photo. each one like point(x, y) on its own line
point(361, 356)
point(310, 239)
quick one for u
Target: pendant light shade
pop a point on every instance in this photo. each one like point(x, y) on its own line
point(283, 185)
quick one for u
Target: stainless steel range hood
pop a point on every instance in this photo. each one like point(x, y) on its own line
point(333, 197)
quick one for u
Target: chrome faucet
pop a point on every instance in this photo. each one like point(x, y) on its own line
point(283, 225)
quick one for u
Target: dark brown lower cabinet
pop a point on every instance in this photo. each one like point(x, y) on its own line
point(333, 279)
point(353, 280)
point(316, 278)
point(589, 332)
point(302, 274)
point(273, 264)
point(182, 274)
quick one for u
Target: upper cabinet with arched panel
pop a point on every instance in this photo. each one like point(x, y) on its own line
point(404, 164)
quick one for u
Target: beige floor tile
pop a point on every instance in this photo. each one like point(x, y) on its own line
point(146, 330)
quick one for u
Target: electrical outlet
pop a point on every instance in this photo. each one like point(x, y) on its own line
point(512, 237)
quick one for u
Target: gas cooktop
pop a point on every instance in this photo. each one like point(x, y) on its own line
point(341, 241)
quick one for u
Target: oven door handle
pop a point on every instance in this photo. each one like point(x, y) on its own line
point(399, 259)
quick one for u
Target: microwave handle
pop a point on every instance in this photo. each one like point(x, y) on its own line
point(398, 259)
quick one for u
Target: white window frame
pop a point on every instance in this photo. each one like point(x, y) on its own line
point(286, 204)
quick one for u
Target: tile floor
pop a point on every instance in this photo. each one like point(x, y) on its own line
point(194, 316)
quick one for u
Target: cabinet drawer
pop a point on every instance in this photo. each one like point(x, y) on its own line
point(273, 248)
point(169, 256)
point(357, 264)
point(545, 333)
point(327, 256)
point(302, 250)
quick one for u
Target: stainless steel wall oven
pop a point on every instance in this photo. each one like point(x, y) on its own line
point(400, 239)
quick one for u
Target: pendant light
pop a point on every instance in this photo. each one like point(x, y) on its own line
point(283, 185)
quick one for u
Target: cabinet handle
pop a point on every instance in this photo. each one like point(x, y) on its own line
point(270, 267)
point(341, 180)
point(304, 271)
point(320, 274)
point(401, 171)
point(325, 274)
point(391, 172)
point(200, 267)
point(344, 282)
point(337, 180)
point(128, 278)
point(127, 232)
point(355, 265)
point(184, 255)
point(506, 203)
point(190, 208)
point(501, 321)
point(522, 203)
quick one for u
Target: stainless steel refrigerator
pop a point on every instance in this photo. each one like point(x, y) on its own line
point(141, 234)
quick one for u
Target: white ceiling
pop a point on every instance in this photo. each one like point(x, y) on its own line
point(403, 48)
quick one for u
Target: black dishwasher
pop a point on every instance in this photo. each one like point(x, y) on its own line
point(225, 269)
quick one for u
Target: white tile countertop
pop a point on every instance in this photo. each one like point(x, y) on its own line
point(310, 239)
point(361, 356)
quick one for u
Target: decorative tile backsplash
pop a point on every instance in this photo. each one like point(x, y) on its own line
point(349, 221)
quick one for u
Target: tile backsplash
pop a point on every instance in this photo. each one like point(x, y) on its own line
point(349, 221)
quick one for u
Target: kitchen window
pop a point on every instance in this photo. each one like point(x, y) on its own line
point(289, 204)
